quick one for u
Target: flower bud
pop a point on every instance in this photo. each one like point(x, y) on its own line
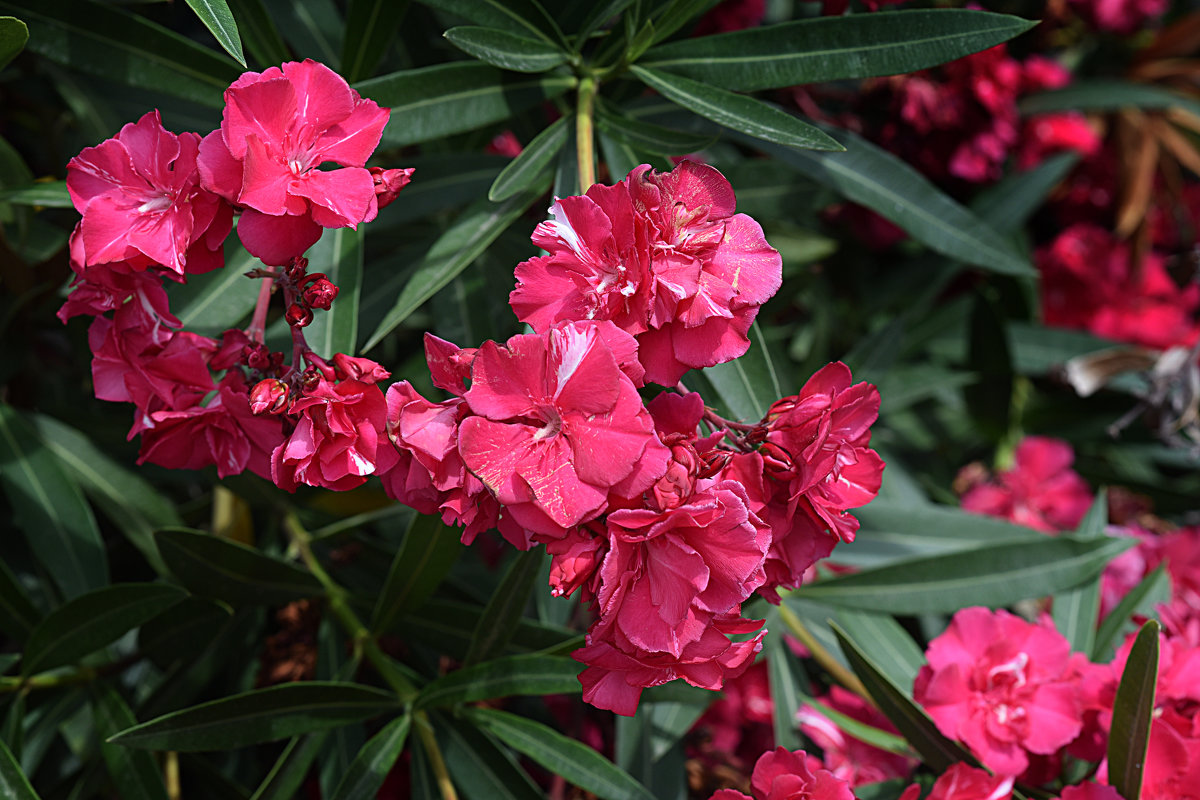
point(257, 356)
point(777, 462)
point(297, 269)
point(269, 396)
point(320, 293)
point(359, 369)
point(388, 183)
point(299, 315)
point(713, 461)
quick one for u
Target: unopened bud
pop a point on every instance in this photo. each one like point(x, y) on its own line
point(269, 396)
point(388, 183)
point(299, 315)
point(257, 356)
point(713, 461)
point(297, 269)
point(359, 369)
point(777, 462)
point(310, 379)
point(320, 293)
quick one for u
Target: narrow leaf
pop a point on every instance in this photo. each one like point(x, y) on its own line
point(263, 715)
point(339, 254)
point(886, 643)
point(51, 194)
point(1133, 713)
point(214, 567)
point(314, 29)
point(453, 252)
point(1151, 590)
point(834, 48)
point(783, 676)
point(13, 36)
point(287, 774)
point(1106, 95)
point(17, 614)
point(13, 783)
point(533, 162)
point(373, 763)
point(217, 18)
point(134, 771)
point(869, 734)
point(259, 32)
point(648, 136)
point(747, 386)
point(910, 719)
point(1076, 610)
point(428, 551)
point(94, 620)
point(370, 27)
point(434, 102)
point(575, 761)
point(504, 610)
point(480, 767)
point(1008, 204)
point(522, 17)
point(506, 50)
point(502, 677)
point(49, 508)
point(221, 299)
point(739, 112)
point(994, 575)
point(600, 13)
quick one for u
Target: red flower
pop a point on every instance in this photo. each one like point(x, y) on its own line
point(1040, 491)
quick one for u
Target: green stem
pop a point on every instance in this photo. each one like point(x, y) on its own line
point(822, 656)
point(436, 762)
point(585, 144)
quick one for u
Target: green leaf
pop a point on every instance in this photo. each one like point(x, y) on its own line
point(1133, 712)
point(371, 26)
point(871, 176)
point(1008, 204)
point(575, 761)
point(910, 720)
point(288, 772)
point(429, 550)
point(17, 614)
point(599, 13)
point(505, 608)
point(522, 17)
point(219, 20)
point(260, 33)
point(373, 763)
point(225, 570)
point(674, 15)
point(453, 252)
point(339, 254)
point(989, 399)
point(262, 715)
point(94, 620)
point(993, 575)
point(49, 194)
point(480, 767)
point(502, 677)
point(783, 677)
point(648, 136)
point(191, 628)
point(451, 625)
point(533, 162)
point(442, 182)
point(892, 531)
point(313, 28)
point(49, 509)
point(869, 734)
point(1076, 610)
point(13, 783)
point(13, 36)
point(134, 771)
point(739, 112)
point(1155, 588)
point(1106, 95)
point(506, 50)
point(747, 386)
point(221, 299)
point(130, 501)
point(102, 40)
point(1038, 350)
point(434, 102)
point(834, 48)
point(885, 642)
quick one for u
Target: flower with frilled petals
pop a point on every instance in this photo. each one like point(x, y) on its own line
point(963, 782)
point(279, 127)
point(1041, 490)
point(790, 775)
point(1000, 685)
point(142, 203)
point(847, 757)
point(340, 438)
point(556, 425)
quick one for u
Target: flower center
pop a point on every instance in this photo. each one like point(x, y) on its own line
point(159, 202)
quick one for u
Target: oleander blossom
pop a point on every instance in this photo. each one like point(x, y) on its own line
point(1040, 491)
point(1001, 686)
point(848, 758)
point(790, 775)
point(142, 205)
point(278, 128)
point(661, 255)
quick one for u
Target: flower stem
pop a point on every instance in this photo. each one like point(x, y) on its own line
point(258, 323)
point(585, 144)
point(822, 656)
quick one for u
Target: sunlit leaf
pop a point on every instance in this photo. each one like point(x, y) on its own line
point(502, 677)
point(216, 16)
point(1133, 714)
point(506, 50)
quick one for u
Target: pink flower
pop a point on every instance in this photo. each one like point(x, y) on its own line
point(731, 15)
point(790, 775)
point(340, 438)
point(846, 757)
point(1089, 791)
point(278, 128)
point(1047, 134)
point(998, 684)
point(556, 426)
point(962, 782)
point(1119, 16)
point(1040, 491)
point(663, 257)
point(141, 201)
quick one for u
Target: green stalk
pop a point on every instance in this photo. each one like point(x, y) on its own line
point(585, 144)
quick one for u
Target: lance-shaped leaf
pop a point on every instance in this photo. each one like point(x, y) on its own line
point(13, 783)
point(1133, 713)
point(1076, 610)
point(834, 48)
point(1008, 204)
point(221, 299)
point(503, 677)
point(522, 17)
point(748, 385)
point(374, 761)
point(506, 50)
point(783, 676)
point(453, 252)
point(219, 20)
point(52, 194)
point(479, 766)
point(504, 610)
point(219, 568)
point(123, 47)
point(13, 36)
point(910, 719)
point(993, 576)
point(288, 772)
point(134, 771)
point(736, 111)
point(94, 620)
point(534, 161)
point(648, 136)
point(599, 13)
point(873, 736)
point(17, 614)
point(1106, 95)
point(339, 254)
point(1153, 589)
point(433, 102)
point(885, 642)
point(428, 551)
point(259, 32)
point(370, 27)
point(575, 761)
point(263, 715)
point(49, 508)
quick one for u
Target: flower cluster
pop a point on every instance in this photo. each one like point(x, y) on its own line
point(156, 205)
